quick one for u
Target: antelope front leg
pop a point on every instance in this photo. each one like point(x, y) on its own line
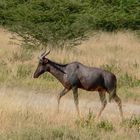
point(76, 101)
point(62, 93)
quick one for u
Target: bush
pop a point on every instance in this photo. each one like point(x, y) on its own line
point(87, 122)
point(133, 122)
point(58, 22)
point(105, 125)
point(127, 80)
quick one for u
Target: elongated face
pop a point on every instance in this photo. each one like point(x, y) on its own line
point(42, 65)
point(41, 68)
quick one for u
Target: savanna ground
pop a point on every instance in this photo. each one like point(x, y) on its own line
point(28, 106)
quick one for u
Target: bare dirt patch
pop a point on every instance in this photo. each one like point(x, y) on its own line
point(21, 100)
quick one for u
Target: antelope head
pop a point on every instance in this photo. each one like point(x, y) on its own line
point(42, 65)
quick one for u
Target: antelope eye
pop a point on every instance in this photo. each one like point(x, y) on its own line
point(43, 63)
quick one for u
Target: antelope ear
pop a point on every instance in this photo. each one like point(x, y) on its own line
point(46, 61)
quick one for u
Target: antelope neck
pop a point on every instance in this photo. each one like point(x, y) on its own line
point(57, 70)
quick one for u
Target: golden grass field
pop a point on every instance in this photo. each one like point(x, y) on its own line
point(28, 106)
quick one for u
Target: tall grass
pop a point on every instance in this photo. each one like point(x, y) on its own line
point(25, 115)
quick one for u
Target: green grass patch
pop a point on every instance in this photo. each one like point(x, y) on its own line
point(126, 80)
point(105, 125)
point(132, 123)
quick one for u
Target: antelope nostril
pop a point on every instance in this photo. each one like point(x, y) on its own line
point(35, 76)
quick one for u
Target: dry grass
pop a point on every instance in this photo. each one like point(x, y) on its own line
point(27, 115)
point(24, 113)
point(121, 48)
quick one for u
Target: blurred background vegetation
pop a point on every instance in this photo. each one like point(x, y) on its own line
point(64, 22)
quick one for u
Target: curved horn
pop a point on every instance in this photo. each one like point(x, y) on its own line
point(44, 54)
point(41, 56)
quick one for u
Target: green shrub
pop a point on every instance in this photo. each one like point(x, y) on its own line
point(87, 122)
point(133, 122)
point(127, 80)
point(58, 22)
point(105, 125)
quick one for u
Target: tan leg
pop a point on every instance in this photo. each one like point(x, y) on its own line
point(59, 97)
point(76, 101)
point(118, 101)
point(103, 102)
